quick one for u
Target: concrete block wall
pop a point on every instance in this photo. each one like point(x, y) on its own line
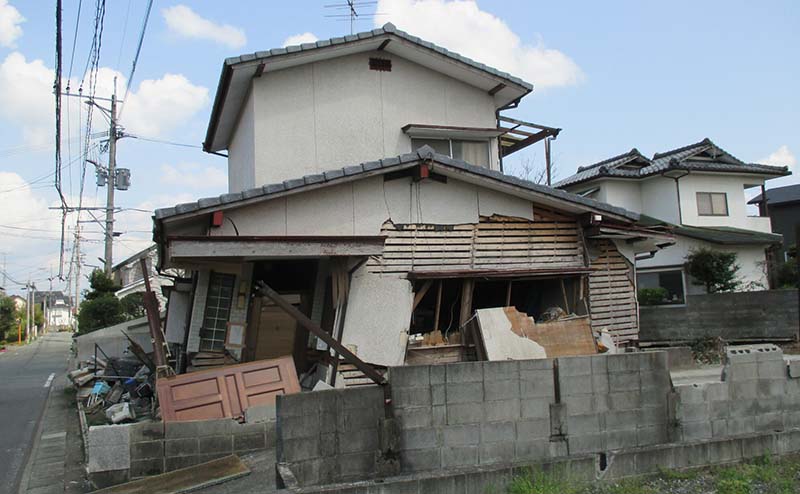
point(758, 393)
point(330, 436)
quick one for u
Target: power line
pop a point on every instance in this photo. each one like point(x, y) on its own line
point(136, 56)
point(160, 141)
point(74, 42)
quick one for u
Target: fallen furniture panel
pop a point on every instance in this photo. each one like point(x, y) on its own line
point(564, 337)
point(225, 391)
point(186, 479)
point(499, 339)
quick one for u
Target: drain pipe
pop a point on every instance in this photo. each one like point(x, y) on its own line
point(673, 164)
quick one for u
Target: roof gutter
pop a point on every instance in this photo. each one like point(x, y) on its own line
point(222, 92)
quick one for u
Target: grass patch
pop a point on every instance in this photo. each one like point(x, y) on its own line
point(540, 482)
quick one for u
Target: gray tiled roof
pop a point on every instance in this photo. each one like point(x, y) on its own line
point(680, 159)
point(332, 177)
point(728, 235)
point(779, 195)
point(387, 28)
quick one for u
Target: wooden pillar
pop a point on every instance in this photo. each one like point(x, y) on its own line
point(467, 287)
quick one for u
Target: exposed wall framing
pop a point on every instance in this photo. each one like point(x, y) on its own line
point(497, 242)
point(612, 294)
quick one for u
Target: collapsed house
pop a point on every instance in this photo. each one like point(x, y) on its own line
point(386, 221)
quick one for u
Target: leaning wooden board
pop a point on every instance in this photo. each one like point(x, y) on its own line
point(225, 391)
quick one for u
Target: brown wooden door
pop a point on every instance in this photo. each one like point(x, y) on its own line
point(277, 331)
point(225, 391)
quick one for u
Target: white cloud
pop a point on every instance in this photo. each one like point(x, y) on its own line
point(460, 26)
point(299, 39)
point(155, 108)
point(10, 20)
point(783, 156)
point(194, 176)
point(185, 22)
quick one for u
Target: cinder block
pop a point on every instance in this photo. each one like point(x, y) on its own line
point(420, 460)
point(178, 462)
point(250, 442)
point(623, 362)
point(651, 416)
point(181, 447)
point(293, 427)
point(362, 397)
point(147, 450)
point(360, 441)
point(105, 435)
point(533, 385)
point(629, 400)
point(624, 381)
point(718, 410)
point(109, 457)
point(464, 392)
point(464, 372)
point(460, 435)
point(260, 413)
point(719, 428)
point(758, 445)
point(409, 376)
point(769, 422)
point(741, 425)
point(768, 405)
point(794, 369)
point(464, 413)
point(356, 465)
point(747, 390)
point(791, 420)
point(459, 456)
point(599, 364)
point(580, 404)
point(537, 408)
point(600, 383)
point(532, 450)
point(528, 430)
point(727, 451)
point(195, 429)
point(652, 461)
point(501, 389)
point(496, 452)
point(438, 374)
point(329, 443)
point(789, 442)
point(305, 448)
point(146, 468)
point(771, 388)
point(658, 378)
point(498, 411)
point(696, 431)
point(542, 364)
point(439, 415)
point(438, 394)
point(653, 434)
point(574, 366)
point(621, 439)
point(693, 413)
point(423, 438)
point(498, 431)
point(146, 431)
point(717, 391)
point(583, 424)
point(620, 420)
point(654, 397)
point(772, 369)
point(411, 396)
point(575, 385)
point(691, 393)
point(586, 443)
point(745, 371)
point(409, 418)
point(500, 371)
point(558, 419)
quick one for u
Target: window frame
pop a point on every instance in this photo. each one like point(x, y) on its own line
point(658, 272)
point(208, 343)
point(711, 203)
point(487, 142)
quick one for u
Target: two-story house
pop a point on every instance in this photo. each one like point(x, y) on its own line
point(366, 189)
point(700, 189)
point(782, 205)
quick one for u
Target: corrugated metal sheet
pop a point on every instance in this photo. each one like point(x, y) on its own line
point(225, 391)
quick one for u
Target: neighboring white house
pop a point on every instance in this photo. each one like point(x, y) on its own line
point(56, 308)
point(701, 190)
point(128, 274)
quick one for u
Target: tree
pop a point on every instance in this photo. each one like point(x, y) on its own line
point(101, 307)
point(716, 270)
point(527, 169)
point(8, 318)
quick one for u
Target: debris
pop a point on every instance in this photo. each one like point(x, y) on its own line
point(501, 342)
point(120, 412)
point(605, 343)
point(321, 385)
point(552, 314)
point(565, 337)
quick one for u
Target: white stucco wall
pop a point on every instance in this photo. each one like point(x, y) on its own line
point(733, 186)
point(750, 259)
point(623, 193)
point(241, 153)
point(335, 113)
point(660, 199)
point(361, 208)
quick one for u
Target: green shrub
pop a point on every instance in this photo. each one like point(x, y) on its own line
point(714, 269)
point(652, 296)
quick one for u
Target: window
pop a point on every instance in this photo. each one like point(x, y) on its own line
point(671, 282)
point(218, 308)
point(473, 152)
point(712, 204)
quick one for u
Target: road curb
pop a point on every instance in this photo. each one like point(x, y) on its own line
point(24, 479)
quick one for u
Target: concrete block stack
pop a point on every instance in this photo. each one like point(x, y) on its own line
point(756, 395)
point(614, 402)
point(330, 436)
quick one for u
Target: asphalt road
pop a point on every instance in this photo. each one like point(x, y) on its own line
point(24, 383)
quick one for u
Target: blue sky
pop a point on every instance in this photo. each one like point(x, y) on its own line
point(614, 75)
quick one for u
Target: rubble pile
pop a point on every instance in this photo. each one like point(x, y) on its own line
point(115, 390)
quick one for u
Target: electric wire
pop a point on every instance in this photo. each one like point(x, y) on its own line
point(136, 56)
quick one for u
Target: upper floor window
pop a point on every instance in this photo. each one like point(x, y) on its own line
point(712, 204)
point(473, 152)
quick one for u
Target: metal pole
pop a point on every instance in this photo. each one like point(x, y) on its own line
point(547, 160)
point(112, 164)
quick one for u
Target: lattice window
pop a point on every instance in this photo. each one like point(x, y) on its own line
point(217, 313)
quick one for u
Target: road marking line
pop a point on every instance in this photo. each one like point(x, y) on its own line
point(49, 380)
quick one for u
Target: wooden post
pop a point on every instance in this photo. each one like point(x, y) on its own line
point(467, 287)
point(153, 318)
point(438, 310)
point(508, 294)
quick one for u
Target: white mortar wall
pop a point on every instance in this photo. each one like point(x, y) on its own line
point(623, 193)
point(732, 185)
point(337, 112)
point(241, 153)
point(660, 199)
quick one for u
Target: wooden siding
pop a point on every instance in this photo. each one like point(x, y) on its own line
point(612, 292)
point(550, 241)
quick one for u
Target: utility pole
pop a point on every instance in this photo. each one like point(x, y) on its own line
point(28, 307)
point(4, 271)
point(112, 165)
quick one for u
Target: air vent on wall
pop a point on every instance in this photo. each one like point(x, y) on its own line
point(381, 64)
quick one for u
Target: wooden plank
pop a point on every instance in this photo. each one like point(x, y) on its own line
point(467, 289)
point(421, 293)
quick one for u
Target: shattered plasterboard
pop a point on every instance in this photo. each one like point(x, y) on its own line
point(377, 318)
point(500, 342)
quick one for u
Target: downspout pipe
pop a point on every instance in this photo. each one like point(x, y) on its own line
point(673, 165)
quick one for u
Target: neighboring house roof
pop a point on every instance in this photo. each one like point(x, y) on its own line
point(779, 195)
point(727, 235)
point(142, 253)
point(40, 297)
point(425, 153)
point(702, 156)
point(238, 72)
